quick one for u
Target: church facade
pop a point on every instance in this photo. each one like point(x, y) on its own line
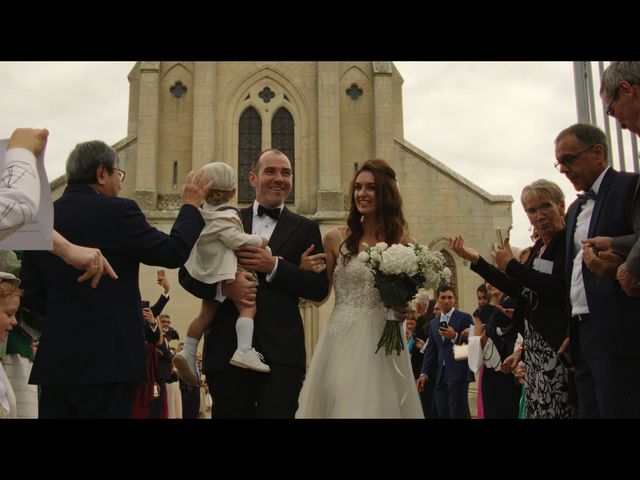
point(328, 117)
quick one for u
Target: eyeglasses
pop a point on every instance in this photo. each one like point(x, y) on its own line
point(122, 173)
point(568, 160)
point(616, 93)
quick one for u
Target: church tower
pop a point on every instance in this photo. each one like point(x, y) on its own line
point(328, 117)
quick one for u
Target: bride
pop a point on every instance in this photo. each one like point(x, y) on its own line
point(346, 378)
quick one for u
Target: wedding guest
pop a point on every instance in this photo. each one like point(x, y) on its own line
point(620, 94)
point(607, 356)
point(9, 303)
point(495, 340)
point(540, 290)
point(414, 344)
point(430, 314)
point(452, 378)
point(278, 331)
point(91, 355)
point(346, 378)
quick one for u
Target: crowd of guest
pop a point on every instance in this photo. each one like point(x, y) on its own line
point(551, 337)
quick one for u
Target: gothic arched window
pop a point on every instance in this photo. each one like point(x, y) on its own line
point(249, 145)
point(282, 138)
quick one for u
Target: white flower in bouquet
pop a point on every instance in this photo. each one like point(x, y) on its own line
point(399, 271)
point(399, 260)
point(376, 257)
point(363, 256)
point(380, 247)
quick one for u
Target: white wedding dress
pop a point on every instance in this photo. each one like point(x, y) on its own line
point(346, 378)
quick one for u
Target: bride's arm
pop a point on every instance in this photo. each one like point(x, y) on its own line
point(407, 238)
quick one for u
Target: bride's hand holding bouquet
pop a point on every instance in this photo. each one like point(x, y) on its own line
point(399, 271)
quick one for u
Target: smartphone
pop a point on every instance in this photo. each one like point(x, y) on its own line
point(499, 237)
point(144, 304)
point(443, 324)
point(161, 274)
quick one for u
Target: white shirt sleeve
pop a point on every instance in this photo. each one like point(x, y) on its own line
point(19, 191)
point(272, 275)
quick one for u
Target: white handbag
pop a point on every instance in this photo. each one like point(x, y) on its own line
point(460, 352)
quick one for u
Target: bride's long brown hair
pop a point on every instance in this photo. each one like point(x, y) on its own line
point(389, 213)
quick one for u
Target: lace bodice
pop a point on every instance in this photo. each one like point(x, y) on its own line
point(354, 284)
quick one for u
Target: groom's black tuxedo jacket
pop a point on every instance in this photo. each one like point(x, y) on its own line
point(278, 332)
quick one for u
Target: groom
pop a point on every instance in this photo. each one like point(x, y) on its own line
point(278, 331)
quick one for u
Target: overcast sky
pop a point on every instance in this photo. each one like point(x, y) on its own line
point(493, 123)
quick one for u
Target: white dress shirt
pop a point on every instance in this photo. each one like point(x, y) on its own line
point(579, 305)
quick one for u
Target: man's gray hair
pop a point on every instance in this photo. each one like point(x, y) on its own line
point(85, 159)
point(588, 135)
point(422, 297)
point(617, 72)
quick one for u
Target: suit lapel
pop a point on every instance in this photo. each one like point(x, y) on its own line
point(247, 219)
point(602, 194)
point(286, 225)
point(571, 230)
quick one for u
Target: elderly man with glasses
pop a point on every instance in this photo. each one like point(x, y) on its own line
point(92, 355)
point(603, 318)
point(620, 91)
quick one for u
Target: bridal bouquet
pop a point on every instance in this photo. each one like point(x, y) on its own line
point(398, 272)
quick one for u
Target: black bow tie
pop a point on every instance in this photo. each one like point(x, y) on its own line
point(590, 195)
point(271, 212)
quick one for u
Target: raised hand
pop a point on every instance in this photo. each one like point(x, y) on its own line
point(502, 255)
point(193, 191)
point(31, 139)
point(457, 245)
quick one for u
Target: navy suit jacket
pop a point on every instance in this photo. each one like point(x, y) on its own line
point(439, 350)
point(278, 331)
point(96, 335)
point(614, 315)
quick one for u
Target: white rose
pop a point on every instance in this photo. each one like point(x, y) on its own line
point(381, 247)
point(363, 256)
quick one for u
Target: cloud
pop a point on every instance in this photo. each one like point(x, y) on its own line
point(492, 122)
point(76, 101)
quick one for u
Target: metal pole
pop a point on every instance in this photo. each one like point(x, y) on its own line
point(607, 127)
point(581, 88)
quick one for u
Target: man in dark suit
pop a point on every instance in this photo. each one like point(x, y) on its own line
point(92, 354)
point(620, 94)
point(278, 333)
point(452, 382)
point(603, 319)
